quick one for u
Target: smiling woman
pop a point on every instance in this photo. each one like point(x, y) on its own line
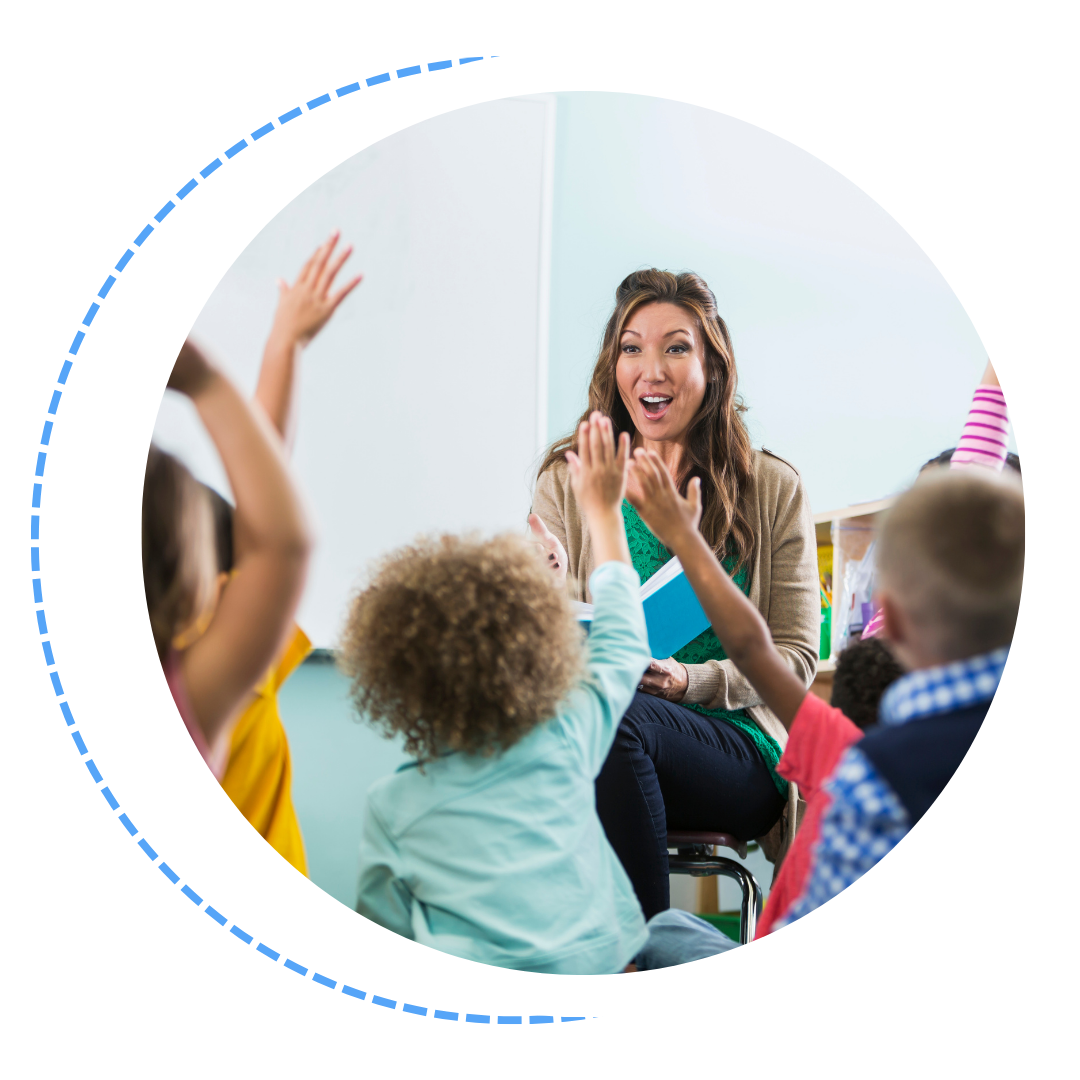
point(697, 749)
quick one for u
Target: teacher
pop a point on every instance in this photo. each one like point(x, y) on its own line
point(697, 749)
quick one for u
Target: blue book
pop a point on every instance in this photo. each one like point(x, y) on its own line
point(673, 615)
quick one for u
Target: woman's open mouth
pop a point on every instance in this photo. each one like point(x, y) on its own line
point(654, 406)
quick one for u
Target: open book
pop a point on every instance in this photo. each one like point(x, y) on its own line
point(673, 615)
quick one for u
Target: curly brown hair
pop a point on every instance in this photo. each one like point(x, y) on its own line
point(864, 671)
point(460, 644)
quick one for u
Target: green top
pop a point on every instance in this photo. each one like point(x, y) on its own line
point(648, 555)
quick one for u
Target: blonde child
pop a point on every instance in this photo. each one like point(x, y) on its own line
point(488, 844)
point(215, 643)
point(951, 567)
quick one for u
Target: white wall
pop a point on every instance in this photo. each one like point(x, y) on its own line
point(418, 402)
point(854, 356)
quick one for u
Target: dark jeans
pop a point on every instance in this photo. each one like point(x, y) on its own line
point(672, 768)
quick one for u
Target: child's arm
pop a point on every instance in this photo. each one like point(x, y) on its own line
point(256, 609)
point(598, 477)
point(736, 622)
point(381, 896)
point(304, 308)
point(618, 644)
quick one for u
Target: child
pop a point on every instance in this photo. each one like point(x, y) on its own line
point(214, 643)
point(488, 845)
point(258, 775)
point(951, 565)
point(864, 671)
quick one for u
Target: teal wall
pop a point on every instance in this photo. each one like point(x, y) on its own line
point(855, 358)
point(335, 759)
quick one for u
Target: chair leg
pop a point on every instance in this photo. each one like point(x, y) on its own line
point(701, 865)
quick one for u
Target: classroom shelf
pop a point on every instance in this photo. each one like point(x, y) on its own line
point(850, 531)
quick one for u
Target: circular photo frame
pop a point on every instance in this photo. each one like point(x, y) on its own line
point(203, 267)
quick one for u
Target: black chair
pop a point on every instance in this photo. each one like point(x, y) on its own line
point(696, 857)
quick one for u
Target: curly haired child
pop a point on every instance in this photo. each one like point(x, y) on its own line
point(864, 671)
point(488, 844)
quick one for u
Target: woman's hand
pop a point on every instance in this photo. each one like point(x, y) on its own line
point(667, 679)
point(553, 553)
point(305, 307)
point(192, 373)
point(669, 516)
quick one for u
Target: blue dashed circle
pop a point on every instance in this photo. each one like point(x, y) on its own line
point(63, 698)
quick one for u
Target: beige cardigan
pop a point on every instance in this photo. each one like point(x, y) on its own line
point(783, 587)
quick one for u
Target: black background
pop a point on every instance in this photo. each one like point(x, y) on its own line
point(103, 146)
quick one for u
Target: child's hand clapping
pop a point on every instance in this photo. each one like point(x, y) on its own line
point(670, 517)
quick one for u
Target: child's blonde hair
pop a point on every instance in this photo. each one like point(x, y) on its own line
point(461, 644)
point(952, 554)
point(177, 548)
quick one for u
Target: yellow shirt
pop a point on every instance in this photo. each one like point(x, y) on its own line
point(258, 777)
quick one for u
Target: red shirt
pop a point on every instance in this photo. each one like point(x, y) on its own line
point(818, 738)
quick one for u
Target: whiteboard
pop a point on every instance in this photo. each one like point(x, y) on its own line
point(422, 405)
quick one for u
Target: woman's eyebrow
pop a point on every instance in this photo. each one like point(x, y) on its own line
point(688, 333)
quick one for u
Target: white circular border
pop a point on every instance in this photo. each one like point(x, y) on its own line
point(459, 88)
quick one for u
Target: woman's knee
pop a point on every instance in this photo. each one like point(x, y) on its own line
point(630, 735)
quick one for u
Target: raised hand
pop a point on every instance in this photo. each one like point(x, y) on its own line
point(305, 307)
point(597, 469)
point(598, 478)
point(551, 550)
point(669, 516)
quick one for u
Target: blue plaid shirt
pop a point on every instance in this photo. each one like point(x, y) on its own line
point(865, 820)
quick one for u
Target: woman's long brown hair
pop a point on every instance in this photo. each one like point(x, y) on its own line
point(717, 446)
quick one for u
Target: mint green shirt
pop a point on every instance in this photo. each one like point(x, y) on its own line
point(503, 860)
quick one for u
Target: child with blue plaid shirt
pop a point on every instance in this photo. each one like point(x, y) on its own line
point(951, 559)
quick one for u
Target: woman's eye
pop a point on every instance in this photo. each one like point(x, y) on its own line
point(680, 348)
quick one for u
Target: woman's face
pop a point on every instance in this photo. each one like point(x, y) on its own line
point(661, 371)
